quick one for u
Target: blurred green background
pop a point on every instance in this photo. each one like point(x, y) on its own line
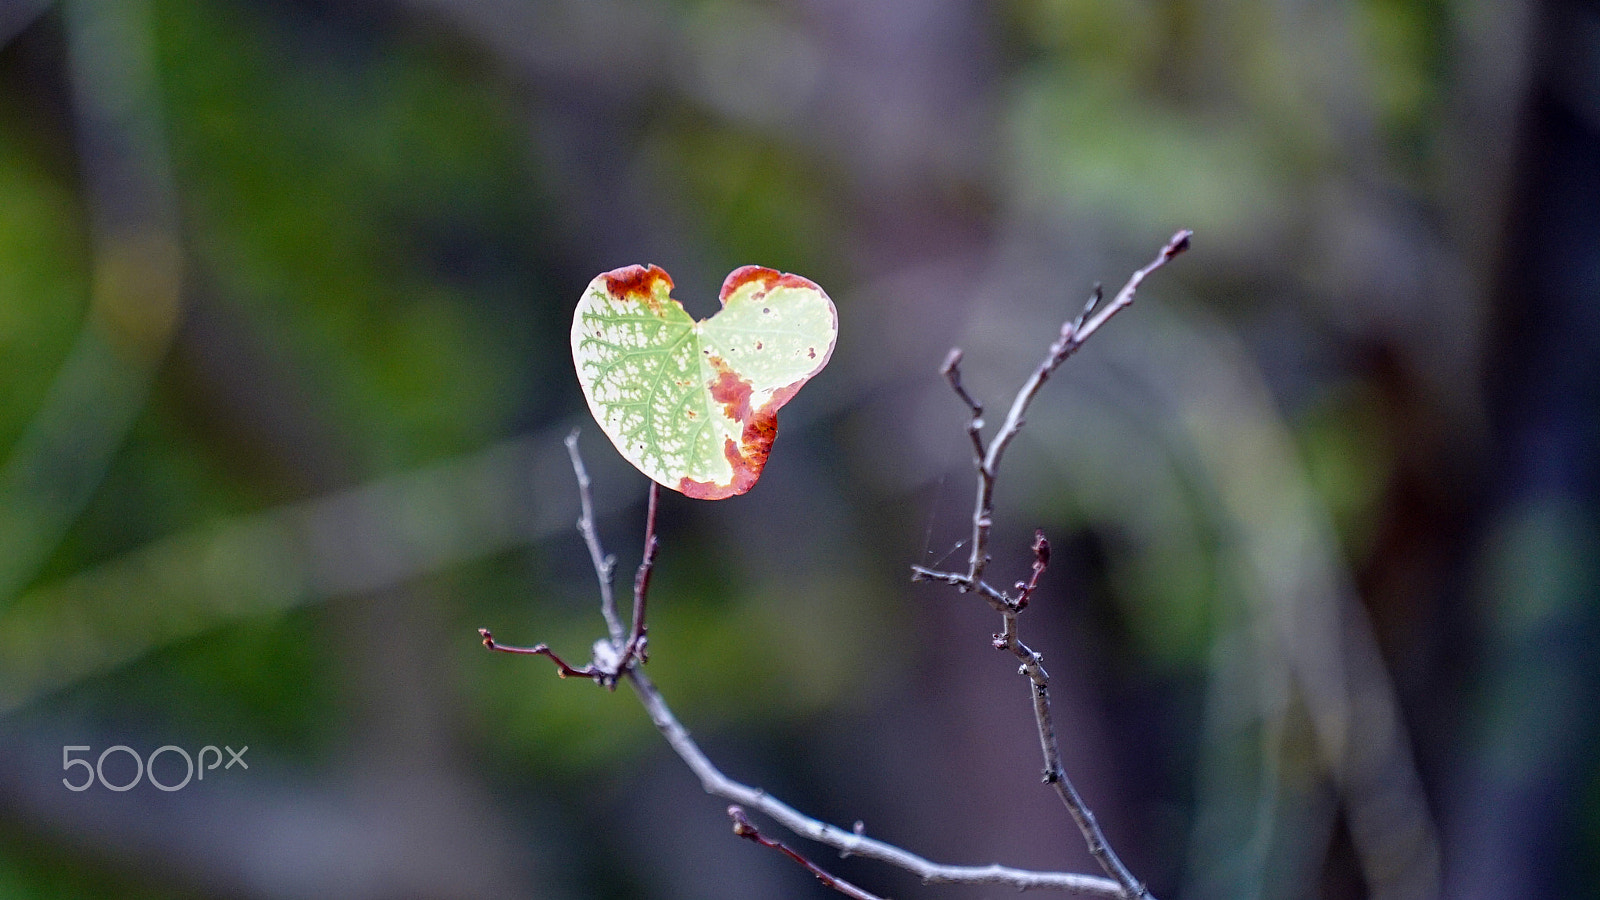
point(285, 291)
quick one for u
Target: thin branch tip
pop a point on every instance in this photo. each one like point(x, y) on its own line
point(741, 823)
point(1178, 244)
point(951, 361)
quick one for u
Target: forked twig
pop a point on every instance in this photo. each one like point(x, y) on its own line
point(986, 459)
point(1073, 334)
point(848, 842)
point(614, 657)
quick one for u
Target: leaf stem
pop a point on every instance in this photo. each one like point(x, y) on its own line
point(636, 646)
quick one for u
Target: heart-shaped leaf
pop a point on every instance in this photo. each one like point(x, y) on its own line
point(694, 404)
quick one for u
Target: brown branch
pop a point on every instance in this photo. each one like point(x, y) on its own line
point(636, 646)
point(1054, 774)
point(743, 828)
point(563, 669)
point(1041, 558)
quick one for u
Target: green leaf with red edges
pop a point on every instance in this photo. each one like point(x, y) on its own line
point(694, 404)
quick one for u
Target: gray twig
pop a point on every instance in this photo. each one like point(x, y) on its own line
point(1073, 334)
point(987, 458)
point(848, 843)
point(605, 565)
point(615, 656)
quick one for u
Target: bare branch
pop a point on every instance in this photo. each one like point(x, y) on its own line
point(563, 669)
point(998, 600)
point(615, 656)
point(848, 843)
point(605, 565)
point(615, 660)
point(851, 843)
point(607, 669)
point(743, 828)
point(1073, 334)
point(952, 373)
point(1041, 558)
point(1054, 774)
point(1177, 245)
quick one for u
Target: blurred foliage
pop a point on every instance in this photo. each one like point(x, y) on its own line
point(363, 200)
point(43, 280)
point(754, 197)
